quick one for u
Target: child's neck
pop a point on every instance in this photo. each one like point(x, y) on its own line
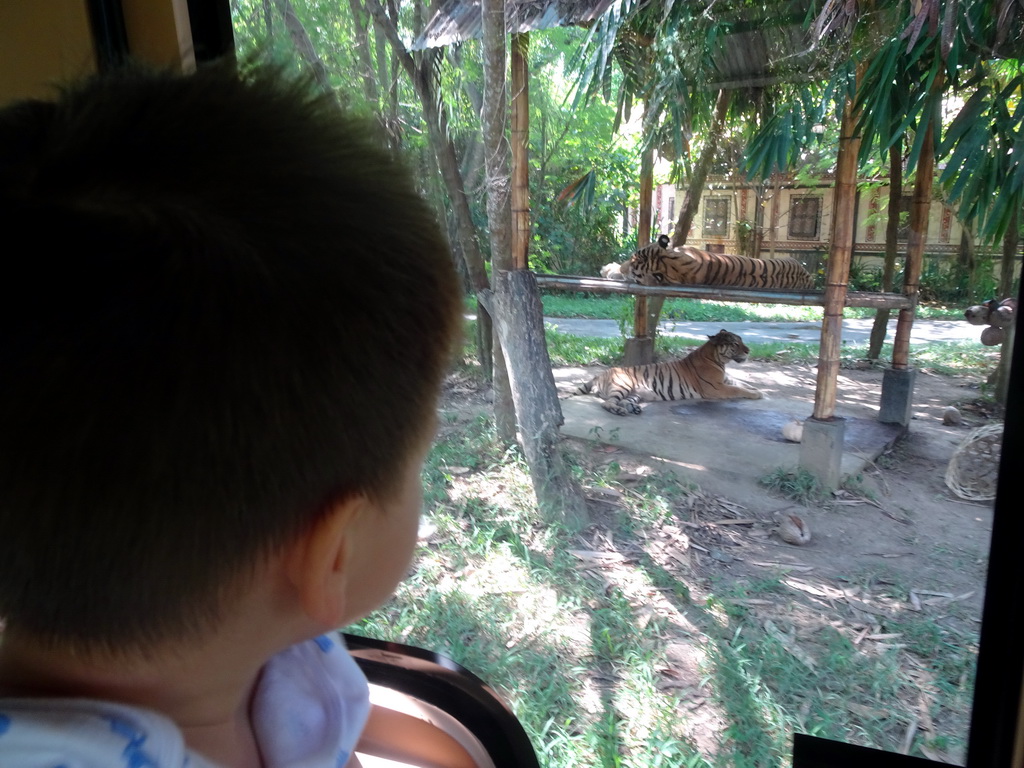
point(205, 688)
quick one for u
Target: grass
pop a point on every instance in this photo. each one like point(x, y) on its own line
point(948, 358)
point(796, 484)
point(561, 304)
point(588, 655)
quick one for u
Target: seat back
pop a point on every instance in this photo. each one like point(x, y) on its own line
point(441, 683)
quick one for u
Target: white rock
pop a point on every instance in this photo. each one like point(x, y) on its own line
point(793, 431)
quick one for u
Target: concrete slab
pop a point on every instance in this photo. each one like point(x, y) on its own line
point(738, 439)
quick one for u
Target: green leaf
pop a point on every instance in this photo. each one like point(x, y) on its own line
point(965, 119)
point(969, 144)
point(580, 191)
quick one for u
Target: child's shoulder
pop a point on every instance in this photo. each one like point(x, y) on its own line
point(38, 732)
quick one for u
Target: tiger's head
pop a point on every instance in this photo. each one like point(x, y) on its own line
point(656, 265)
point(646, 265)
point(728, 346)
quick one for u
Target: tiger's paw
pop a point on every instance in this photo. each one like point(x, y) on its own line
point(621, 408)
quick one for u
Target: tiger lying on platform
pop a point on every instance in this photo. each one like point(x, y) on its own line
point(701, 374)
point(657, 264)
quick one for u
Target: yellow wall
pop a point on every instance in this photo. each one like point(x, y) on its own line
point(42, 43)
point(159, 32)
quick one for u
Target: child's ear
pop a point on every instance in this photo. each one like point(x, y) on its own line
point(317, 563)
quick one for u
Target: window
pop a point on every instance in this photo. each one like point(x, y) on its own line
point(805, 218)
point(716, 216)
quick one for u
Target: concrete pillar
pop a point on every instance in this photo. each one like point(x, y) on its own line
point(638, 351)
point(897, 396)
point(821, 450)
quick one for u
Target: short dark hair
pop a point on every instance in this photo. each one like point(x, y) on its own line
point(226, 307)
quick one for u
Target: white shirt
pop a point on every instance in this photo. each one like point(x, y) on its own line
point(308, 711)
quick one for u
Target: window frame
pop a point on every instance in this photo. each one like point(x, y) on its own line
point(721, 229)
point(800, 200)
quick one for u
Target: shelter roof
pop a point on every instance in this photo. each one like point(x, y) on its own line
point(459, 20)
point(758, 50)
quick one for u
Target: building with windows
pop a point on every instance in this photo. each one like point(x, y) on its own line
point(789, 218)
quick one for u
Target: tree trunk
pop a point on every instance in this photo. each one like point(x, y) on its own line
point(691, 200)
point(516, 306)
point(444, 150)
point(519, 319)
point(494, 117)
point(268, 19)
point(773, 214)
point(303, 44)
point(367, 70)
point(639, 350)
point(387, 72)
point(892, 228)
point(473, 145)
point(688, 210)
point(438, 133)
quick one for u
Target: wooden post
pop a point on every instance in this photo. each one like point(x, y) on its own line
point(640, 349)
point(838, 269)
point(916, 239)
point(520, 153)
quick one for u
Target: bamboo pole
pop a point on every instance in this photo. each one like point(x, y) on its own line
point(838, 270)
point(723, 293)
point(917, 238)
point(520, 154)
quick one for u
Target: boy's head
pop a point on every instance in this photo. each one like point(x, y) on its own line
point(225, 309)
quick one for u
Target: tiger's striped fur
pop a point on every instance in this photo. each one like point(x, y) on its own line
point(690, 266)
point(701, 374)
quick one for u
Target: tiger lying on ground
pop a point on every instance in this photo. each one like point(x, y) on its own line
point(657, 264)
point(701, 374)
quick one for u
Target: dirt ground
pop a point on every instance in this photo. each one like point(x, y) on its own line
point(901, 513)
point(895, 542)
